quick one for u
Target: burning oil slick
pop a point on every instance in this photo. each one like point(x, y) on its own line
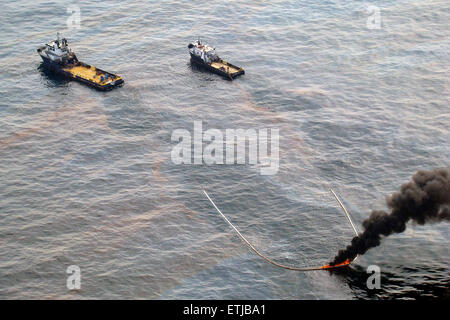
point(426, 198)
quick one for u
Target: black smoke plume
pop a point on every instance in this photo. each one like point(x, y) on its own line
point(426, 198)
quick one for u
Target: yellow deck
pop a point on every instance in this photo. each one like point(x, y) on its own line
point(91, 74)
point(223, 64)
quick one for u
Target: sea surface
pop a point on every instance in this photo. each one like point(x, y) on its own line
point(87, 178)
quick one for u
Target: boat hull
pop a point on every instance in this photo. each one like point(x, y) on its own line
point(230, 76)
point(59, 69)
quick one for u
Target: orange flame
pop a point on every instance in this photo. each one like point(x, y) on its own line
point(345, 263)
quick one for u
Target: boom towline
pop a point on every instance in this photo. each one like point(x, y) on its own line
point(266, 258)
point(345, 211)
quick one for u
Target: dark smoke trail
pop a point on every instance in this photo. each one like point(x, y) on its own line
point(424, 199)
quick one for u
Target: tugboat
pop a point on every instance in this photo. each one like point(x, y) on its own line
point(205, 56)
point(59, 58)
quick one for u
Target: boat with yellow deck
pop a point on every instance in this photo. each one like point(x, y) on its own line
point(59, 58)
point(206, 56)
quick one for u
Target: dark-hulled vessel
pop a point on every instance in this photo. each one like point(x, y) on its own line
point(59, 58)
point(206, 56)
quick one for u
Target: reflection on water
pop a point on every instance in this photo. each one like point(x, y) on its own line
point(419, 283)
